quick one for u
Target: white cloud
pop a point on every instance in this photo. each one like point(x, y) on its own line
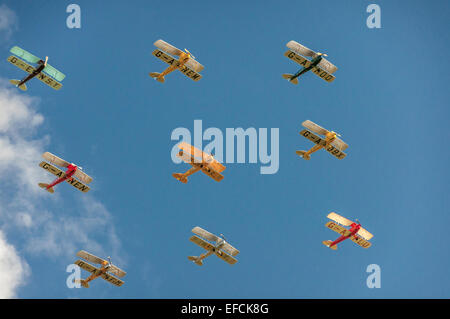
point(13, 269)
point(43, 224)
point(8, 22)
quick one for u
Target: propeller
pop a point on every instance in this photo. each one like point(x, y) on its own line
point(46, 59)
point(187, 51)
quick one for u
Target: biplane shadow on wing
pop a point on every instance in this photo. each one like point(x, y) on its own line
point(186, 63)
point(199, 160)
point(219, 247)
point(43, 72)
point(318, 64)
point(356, 233)
point(104, 272)
point(330, 142)
point(68, 176)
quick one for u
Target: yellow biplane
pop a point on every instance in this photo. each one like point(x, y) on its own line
point(186, 62)
point(199, 161)
point(331, 143)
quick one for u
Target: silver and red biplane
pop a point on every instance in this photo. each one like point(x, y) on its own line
point(69, 176)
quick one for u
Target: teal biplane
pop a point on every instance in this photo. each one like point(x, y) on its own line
point(43, 71)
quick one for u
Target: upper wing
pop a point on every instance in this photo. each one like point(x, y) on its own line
point(314, 127)
point(361, 242)
point(364, 234)
point(112, 279)
point(338, 229)
point(55, 159)
point(201, 243)
point(339, 219)
point(195, 152)
point(312, 137)
point(297, 58)
point(27, 56)
point(89, 257)
point(230, 249)
point(323, 74)
point(20, 64)
point(204, 233)
point(300, 49)
point(194, 65)
point(87, 267)
point(82, 176)
point(57, 75)
point(117, 271)
point(340, 144)
point(327, 66)
point(166, 47)
point(222, 255)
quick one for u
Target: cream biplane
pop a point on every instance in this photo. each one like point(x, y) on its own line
point(186, 62)
point(220, 247)
point(104, 271)
point(72, 170)
point(356, 233)
point(318, 64)
point(331, 143)
point(199, 161)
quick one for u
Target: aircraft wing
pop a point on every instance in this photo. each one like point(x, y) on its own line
point(49, 81)
point(194, 65)
point(340, 144)
point(297, 58)
point(82, 176)
point(52, 169)
point(222, 255)
point(57, 75)
point(172, 61)
point(204, 244)
point(338, 229)
point(204, 233)
point(20, 64)
point(327, 66)
point(190, 73)
point(195, 152)
point(364, 234)
point(27, 56)
point(89, 257)
point(300, 49)
point(312, 137)
point(314, 127)
point(117, 271)
point(339, 219)
point(335, 152)
point(230, 249)
point(55, 159)
point(361, 242)
point(87, 267)
point(166, 47)
point(323, 74)
point(212, 173)
point(110, 278)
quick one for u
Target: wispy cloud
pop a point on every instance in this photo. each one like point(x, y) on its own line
point(41, 224)
point(8, 22)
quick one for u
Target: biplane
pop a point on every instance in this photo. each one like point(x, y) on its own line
point(105, 270)
point(43, 71)
point(186, 62)
point(69, 176)
point(318, 64)
point(356, 233)
point(199, 161)
point(219, 247)
point(331, 143)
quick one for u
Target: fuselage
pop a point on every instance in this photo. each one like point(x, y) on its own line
point(314, 62)
point(184, 57)
point(41, 66)
point(71, 169)
point(329, 138)
point(103, 269)
point(354, 228)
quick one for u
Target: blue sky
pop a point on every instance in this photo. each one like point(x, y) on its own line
point(389, 102)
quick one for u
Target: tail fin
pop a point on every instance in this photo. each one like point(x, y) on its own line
point(328, 243)
point(157, 76)
point(289, 77)
point(303, 154)
point(196, 260)
point(45, 186)
point(83, 283)
point(23, 87)
point(180, 177)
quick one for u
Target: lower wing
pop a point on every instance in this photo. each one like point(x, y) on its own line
point(361, 242)
point(297, 58)
point(202, 243)
point(87, 267)
point(335, 152)
point(78, 185)
point(49, 81)
point(323, 74)
point(226, 257)
point(230, 249)
point(313, 138)
point(20, 64)
point(110, 278)
point(338, 229)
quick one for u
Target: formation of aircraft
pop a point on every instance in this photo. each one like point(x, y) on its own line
point(330, 142)
point(318, 64)
point(199, 161)
point(69, 176)
point(186, 62)
point(43, 71)
point(219, 247)
point(105, 271)
point(356, 233)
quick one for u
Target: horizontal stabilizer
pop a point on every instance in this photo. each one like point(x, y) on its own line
point(328, 243)
point(43, 185)
point(23, 87)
